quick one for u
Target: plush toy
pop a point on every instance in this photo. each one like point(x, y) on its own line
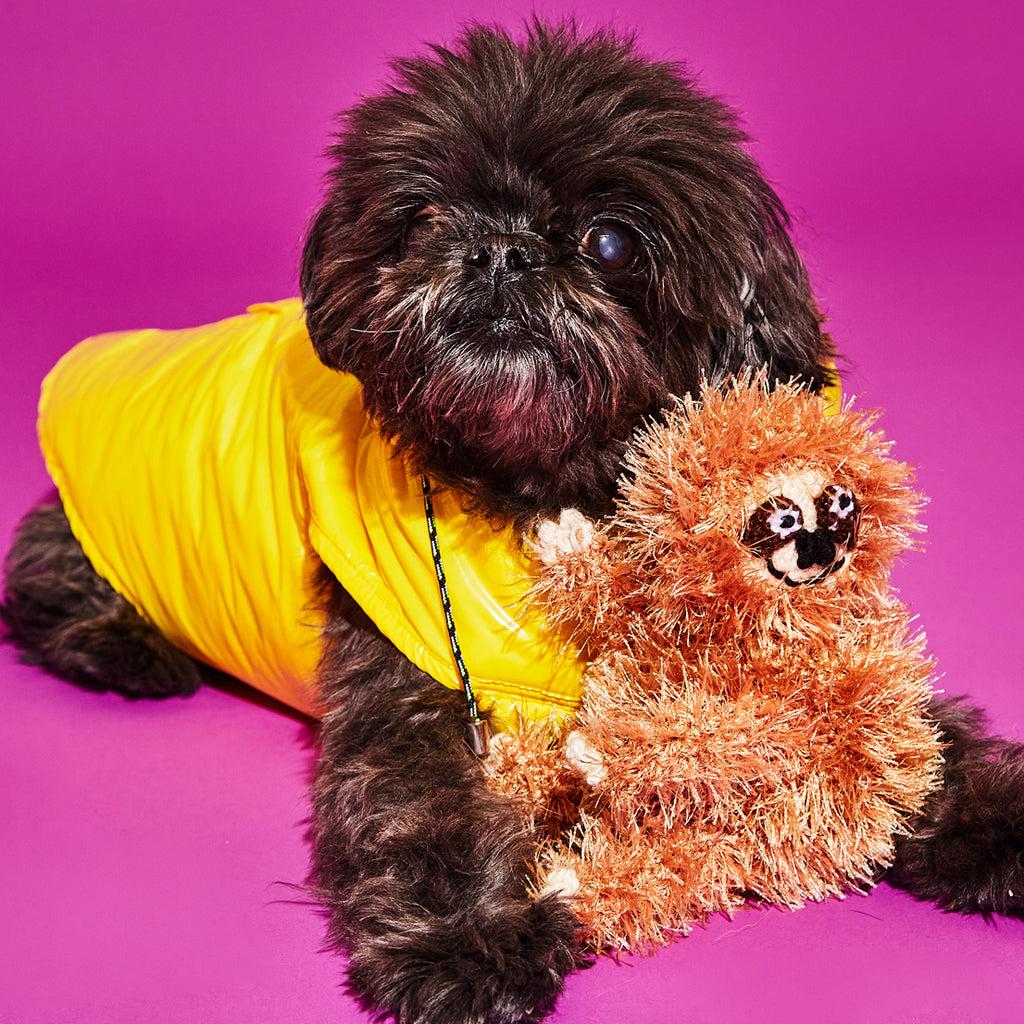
point(753, 726)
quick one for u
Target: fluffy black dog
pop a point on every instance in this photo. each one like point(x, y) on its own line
point(525, 250)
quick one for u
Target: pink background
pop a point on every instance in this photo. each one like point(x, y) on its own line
point(159, 163)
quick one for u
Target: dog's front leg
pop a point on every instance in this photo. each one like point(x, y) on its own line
point(424, 871)
point(966, 852)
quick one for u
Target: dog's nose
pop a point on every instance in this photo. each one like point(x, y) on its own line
point(814, 548)
point(497, 256)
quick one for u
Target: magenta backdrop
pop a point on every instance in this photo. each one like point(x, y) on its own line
point(159, 162)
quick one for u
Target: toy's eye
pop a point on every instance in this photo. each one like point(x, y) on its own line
point(839, 512)
point(772, 524)
point(785, 521)
point(612, 244)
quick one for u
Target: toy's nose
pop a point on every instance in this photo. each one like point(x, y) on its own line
point(814, 548)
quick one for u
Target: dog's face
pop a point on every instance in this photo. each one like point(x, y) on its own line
point(527, 248)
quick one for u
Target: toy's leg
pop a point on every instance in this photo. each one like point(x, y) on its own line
point(967, 849)
point(424, 870)
point(68, 619)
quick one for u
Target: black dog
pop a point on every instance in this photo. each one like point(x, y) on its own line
point(526, 249)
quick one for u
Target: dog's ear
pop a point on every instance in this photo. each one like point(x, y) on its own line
point(323, 313)
point(312, 257)
point(329, 284)
point(780, 322)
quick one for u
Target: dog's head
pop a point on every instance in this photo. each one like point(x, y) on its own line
point(527, 248)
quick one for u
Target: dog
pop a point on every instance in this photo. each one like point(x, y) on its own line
point(525, 250)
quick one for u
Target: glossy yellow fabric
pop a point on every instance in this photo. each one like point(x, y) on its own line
point(204, 470)
point(832, 396)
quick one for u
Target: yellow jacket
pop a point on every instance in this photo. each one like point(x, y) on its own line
point(204, 471)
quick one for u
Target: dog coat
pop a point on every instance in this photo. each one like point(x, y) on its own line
point(205, 472)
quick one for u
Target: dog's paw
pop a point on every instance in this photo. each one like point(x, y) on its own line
point(570, 534)
point(504, 968)
point(967, 853)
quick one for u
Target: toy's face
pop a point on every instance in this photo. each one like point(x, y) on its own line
point(804, 529)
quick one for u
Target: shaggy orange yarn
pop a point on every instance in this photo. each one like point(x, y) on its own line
point(742, 737)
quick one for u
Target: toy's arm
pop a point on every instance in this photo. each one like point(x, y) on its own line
point(578, 569)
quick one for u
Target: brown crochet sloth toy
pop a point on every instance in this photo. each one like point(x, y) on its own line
point(754, 726)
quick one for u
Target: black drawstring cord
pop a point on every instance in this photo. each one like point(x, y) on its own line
point(479, 740)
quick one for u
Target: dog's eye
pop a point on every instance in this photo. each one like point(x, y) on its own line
point(419, 229)
point(613, 245)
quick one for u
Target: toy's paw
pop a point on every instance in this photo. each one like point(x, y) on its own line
point(571, 534)
point(560, 881)
point(585, 758)
point(507, 967)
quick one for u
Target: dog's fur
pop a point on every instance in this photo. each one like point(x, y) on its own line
point(454, 269)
